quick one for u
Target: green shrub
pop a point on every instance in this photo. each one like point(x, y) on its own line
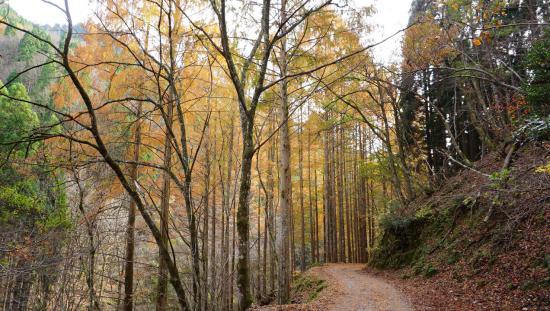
point(307, 287)
point(534, 128)
point(454, 257)
point(500, 178)
point(398, 243)
point(537, 88)
point(430, 271)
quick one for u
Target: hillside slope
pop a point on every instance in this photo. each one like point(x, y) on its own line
point(481, 241)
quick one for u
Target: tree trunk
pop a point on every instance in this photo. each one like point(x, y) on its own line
point(213, 284)
point(285, 186)
point(130, 228)
point(340, 182)
point(302, 210)
point(258, 248)
point(164, 213)
point(243, 225)
point(205, 241)
point(225, 224)
point(310, 201)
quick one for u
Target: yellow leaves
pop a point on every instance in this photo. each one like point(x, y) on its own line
point(543, 169)
point(477, 41)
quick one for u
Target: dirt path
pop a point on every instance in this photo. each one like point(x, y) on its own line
point(353, 289)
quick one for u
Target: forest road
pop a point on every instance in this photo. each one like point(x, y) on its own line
point(354, 289)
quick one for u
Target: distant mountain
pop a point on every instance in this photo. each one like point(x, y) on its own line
point(19, 50)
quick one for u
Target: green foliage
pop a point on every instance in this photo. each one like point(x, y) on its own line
point(9, 31)
point(399, 242)
point(29, 46)
point(429, 271)
point(307, 287)
point(25, 202)
point(16, 204)
point(455, 8)
point(404, 238)
point(537, 90)
point(423, 268)
point(499, 178)
point(40, 91)
point(17, 119)
point(33, 199)
point(11, 17)
point(535, 129)
point(20, 201)
point(424, 212)
point(12, 78)
point(396, 223)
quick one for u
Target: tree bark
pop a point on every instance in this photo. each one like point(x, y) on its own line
point(164, 213)
point(285, 186)
point(302, 210)
point(130, 228)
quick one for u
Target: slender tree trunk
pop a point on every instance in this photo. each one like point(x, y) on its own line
point(232, 275)
point(266, 237)
point(226, 209)
point(243, 211)
point(284, 176)
point(272, 215)
point(475, 120)
point(330, 212)
point(130, 228)
point(401, 151)
point(164, 213)
point(316, 187)
point(347, 209)
point(302, 210)
point(213, 284)
point(325, 210)
point(205, 240)
point(93, 304)
point(258, 247)
point(224, 252)
point(310, 201)
point(396, 180)
point(332, 197)
point(340, 182)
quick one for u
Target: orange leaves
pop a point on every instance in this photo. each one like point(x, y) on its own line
point(476, 41)
point(484, 37)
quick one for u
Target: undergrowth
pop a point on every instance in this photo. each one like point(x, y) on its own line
point(406, 239)
point(306, 288)
point(483, 229)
